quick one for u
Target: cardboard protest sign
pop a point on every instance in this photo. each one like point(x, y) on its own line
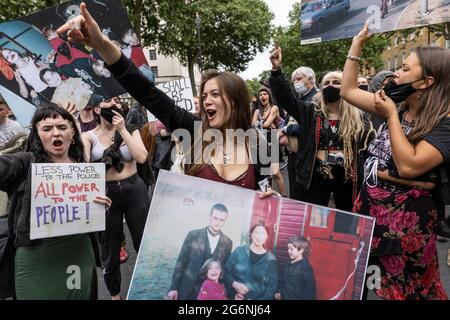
point(181, 92)
point(188, 212)
point(62, 199)
point(39, 66)
point(325, 20)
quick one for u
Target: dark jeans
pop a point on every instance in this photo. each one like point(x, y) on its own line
point(129, 196)
point(320, 189)
point(296, 192)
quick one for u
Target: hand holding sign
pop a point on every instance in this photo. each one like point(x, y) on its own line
point(275, 56)
point(363, 35)
point(103, 200)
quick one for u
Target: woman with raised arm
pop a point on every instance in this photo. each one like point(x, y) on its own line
point(333, 136)
point(402, 167)
point(224, 102)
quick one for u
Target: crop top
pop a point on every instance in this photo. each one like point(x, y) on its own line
point(98, 149)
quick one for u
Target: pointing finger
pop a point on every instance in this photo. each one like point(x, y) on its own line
point(85, 13)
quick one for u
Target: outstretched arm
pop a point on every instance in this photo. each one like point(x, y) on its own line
point(349, 88)
point(126, 73)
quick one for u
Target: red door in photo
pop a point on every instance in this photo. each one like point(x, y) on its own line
point(265, 210)
point(334, 239)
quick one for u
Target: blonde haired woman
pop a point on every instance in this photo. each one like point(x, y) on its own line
point(333, 136)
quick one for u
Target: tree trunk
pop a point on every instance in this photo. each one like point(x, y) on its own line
point(190, 60)
point(447, 31)
point(138, 18)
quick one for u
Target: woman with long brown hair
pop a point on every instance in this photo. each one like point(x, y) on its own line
point(402, 169)
point(224, 102)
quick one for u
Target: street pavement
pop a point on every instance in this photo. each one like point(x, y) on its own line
point(438, 11)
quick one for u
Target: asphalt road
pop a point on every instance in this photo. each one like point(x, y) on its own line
point(349, 25)
point(128, 267)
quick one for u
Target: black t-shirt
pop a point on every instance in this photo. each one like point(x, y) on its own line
point(255, 257)
point(440, 138)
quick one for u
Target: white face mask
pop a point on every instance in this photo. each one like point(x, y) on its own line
point(300, 88)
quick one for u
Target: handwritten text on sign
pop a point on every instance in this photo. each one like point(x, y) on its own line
point(180, 91)
point(62, 199)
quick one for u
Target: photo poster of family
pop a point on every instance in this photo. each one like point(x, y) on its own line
point(37, 66)
point(326, 20)
point(206, 240)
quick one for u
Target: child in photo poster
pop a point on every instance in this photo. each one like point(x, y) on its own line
point(211, 288)
point(297, 281)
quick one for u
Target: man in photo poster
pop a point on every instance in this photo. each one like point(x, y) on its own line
point(198, 246)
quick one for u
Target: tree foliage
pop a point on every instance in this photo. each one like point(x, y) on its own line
point(13, 9)
point(232, 32)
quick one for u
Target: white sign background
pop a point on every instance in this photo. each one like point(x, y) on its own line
point(62, 199)
point(181, 92)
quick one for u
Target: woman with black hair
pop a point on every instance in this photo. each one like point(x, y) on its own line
point(41, 265)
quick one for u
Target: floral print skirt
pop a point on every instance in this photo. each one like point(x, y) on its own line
point(404, 243)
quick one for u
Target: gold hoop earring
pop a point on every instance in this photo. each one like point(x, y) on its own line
point(72, 141)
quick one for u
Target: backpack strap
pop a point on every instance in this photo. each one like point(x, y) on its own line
point(318, 127)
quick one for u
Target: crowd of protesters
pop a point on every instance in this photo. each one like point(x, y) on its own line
point(379, 148)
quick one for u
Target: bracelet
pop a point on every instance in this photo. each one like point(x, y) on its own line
point(354, 58)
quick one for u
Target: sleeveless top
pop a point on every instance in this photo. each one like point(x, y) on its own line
point(246, 180)
point(98, 149)
point(259, 124)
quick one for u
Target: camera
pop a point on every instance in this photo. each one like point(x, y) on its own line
point(336, 159)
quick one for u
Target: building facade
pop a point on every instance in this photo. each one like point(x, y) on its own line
point(400, 47)
point(168, 68)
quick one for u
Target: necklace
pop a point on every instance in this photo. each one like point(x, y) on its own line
point(106, 134)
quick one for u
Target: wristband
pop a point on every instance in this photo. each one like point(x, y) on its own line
point(354, 58)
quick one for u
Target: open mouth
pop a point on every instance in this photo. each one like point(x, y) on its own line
point(57, 143)
point(211, 113)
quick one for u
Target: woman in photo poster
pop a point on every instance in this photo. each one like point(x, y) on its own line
point(26, 71)
point(251, 272)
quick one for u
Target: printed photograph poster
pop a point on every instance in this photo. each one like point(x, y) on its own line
point(198, 236)
point(39, 66)
point(180, 91)
point(62, 199)
point(325, 20)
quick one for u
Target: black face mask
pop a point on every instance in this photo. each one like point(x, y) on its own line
point(399, 92)
point(364, 87)
point(331, 94)
point(108, 114)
